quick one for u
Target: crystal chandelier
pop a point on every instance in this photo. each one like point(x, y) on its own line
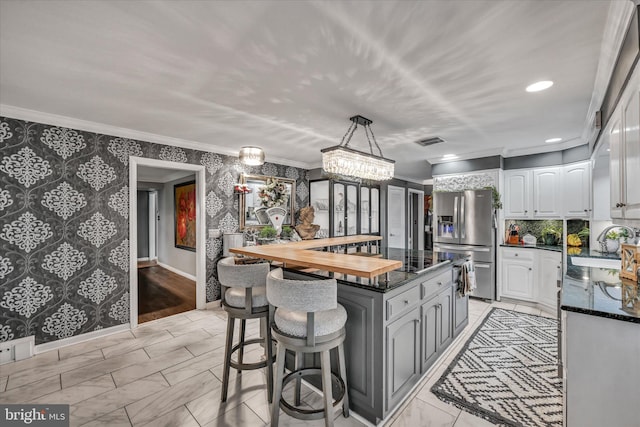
point(342, 160)
point(252, 156)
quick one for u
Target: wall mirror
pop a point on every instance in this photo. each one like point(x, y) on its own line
point(252, 206)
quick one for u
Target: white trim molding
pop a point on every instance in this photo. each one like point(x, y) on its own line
point(175, 270)
point(54, 345)
point(201, 292)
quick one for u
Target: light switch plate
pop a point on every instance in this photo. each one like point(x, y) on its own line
point(214, 233)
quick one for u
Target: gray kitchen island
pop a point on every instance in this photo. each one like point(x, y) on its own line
point(397, 329)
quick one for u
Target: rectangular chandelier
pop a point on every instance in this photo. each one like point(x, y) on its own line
point(342, 160)
point(347, 161)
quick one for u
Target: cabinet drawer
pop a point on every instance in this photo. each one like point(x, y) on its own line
point(401, 303)
point(433, 285)
point(518, 254)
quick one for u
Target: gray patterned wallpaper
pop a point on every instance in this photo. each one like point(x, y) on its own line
point(64, 233)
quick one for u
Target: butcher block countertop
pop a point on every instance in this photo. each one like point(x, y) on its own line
point(302, 254)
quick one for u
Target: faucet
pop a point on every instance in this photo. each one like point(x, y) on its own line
point(602, 236)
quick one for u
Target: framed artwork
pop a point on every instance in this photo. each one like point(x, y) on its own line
point(184, 203)
point(629, 267)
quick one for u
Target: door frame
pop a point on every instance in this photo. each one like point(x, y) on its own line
point(201, 294)
point(394, 188)
point(420, 218)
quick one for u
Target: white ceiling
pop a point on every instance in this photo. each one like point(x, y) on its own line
point(287, 75)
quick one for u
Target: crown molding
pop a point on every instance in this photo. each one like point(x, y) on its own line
point(101, 128)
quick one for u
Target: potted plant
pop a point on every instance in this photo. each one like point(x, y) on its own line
point(268, 233)
point(612, 242)
point(624, 235)
point(551, 235)
point(286, 232)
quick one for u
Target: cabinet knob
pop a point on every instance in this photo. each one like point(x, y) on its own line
point(558, 267)
point(586, 210)
point(516, 254)
point(530, 269)
point(439, 283)
point(536, 211)
point(406, 302)
point(525, 211)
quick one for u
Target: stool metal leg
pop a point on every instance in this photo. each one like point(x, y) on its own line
point(243, 325)
point(227, 357)
point(326, 388)
point(277, 387)
point(343, 375)
point(268, 346)
point(299, 360)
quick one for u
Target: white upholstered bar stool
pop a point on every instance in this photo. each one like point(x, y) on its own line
point(244, 297)
point(308, 319)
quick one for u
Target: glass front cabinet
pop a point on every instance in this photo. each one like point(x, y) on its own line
point(345, 208)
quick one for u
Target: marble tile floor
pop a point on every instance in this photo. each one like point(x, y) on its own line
point(168, 372)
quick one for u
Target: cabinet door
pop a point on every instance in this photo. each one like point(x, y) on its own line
point(375, 210)
point(351, 208)
point(547, 199)
point(631, 153)
point(445, 308)
point(576, 181)
point(430, 331)
point(365, 210)
point(549, 269)
point(339, 203)
point(460, 313)
point(615, 170)
point(517, 194)
point(403, 356)
point(319, 200)
point(517, 280)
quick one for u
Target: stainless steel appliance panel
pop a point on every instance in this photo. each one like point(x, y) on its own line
point(446, 207)
point(476, 218)
point(485, 281)
point(476, 253)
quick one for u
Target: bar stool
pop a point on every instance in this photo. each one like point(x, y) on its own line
point(245, 298)
point(308, 319)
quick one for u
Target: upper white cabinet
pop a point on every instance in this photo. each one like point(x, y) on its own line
point(576, 189)
point(517, 196)
point(624, 166)
point(533, 193)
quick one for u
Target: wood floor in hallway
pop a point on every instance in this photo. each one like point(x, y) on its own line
point(162, 293)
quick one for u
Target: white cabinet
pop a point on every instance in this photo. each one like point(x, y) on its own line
point(517, 200)
point(576, 190)
point(549, 269)
point(517, 273)
point(624, 142)
point(530, 274)
point(533, 193)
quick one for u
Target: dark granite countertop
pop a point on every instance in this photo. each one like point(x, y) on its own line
point(598, 292)
point(416, 263)
point(542, 247)
point(592, 253)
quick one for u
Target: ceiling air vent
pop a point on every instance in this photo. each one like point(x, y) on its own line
point(430, 141)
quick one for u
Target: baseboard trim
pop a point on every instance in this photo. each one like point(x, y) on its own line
point(175, 270)
point(213, 304)
point(143, 259)
point(54, 345)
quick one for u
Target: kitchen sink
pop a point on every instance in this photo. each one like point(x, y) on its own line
point(596, 262)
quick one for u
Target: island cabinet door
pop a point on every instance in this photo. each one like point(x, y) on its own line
point(430, 332)
point(445, 316)
point(403, 356)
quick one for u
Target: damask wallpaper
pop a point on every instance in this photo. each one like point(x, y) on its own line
point(64, 233)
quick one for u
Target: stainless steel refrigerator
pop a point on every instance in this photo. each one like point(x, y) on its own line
point(464, 223)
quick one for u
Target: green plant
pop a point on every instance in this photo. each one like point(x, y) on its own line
point(286, 232)
point(267, 232)
point(552, 230)
point(584, 234)
point(497, 203)
point(624, 233)
point(612, 235)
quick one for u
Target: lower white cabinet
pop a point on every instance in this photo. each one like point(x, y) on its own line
point(530, 274)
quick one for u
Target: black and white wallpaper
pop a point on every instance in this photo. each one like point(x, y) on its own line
point(64, 226)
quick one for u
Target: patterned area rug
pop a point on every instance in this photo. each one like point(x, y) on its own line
point(507, 372)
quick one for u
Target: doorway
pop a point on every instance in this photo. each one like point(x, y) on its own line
point(416, 219)
point(170, 277)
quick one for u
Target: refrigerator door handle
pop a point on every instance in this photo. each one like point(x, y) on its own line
point(463, 220)
point(455, 217)
point(438, 246)
point(477, 264)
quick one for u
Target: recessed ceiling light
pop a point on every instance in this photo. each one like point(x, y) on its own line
point(538, 86)
point(550, 140)
point(449, 156)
